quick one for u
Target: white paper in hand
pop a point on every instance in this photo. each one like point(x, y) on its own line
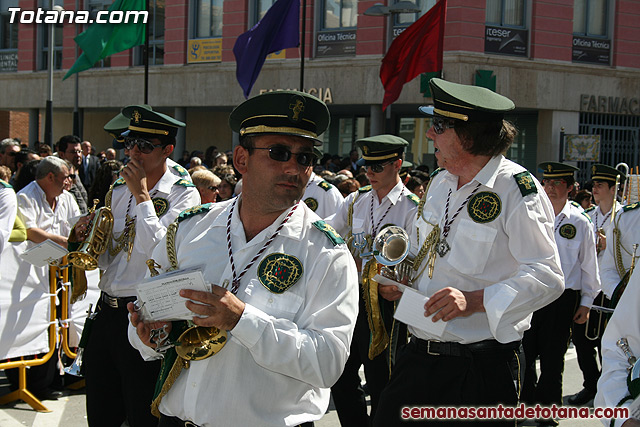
point(159, 296)
point(44, 253)
point(410, 310)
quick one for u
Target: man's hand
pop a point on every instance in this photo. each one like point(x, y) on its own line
point(389, 292)
point(450, 303)
point(144, 329)
point(136, 179)
point(222, 308)
point(582, 315)
point(81, 229)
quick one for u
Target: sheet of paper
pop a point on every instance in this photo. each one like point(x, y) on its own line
point(386, 281)
point(44, 253)
point(159, 296)
point(410, 310)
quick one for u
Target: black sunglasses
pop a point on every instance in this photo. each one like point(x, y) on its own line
point(379, 167)
point(212, 188)
point(440, 125)
point(144, 146)
point(283, 154)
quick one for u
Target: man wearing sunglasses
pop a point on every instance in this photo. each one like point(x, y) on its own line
point(551, 326)
point(364, 214)
point(486, 259)
point(144, 201)
point(120, 124)
point(283, 283)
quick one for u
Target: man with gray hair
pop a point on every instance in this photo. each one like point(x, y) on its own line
point(44, 206)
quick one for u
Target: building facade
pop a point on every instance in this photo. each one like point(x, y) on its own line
point(569, 65)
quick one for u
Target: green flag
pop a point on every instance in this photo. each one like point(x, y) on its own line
point(101, 40)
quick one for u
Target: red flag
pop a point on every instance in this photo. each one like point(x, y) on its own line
point(418, 49)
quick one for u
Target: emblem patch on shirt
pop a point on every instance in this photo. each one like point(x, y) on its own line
point(181, 171)
point(484, 207)
point(325, 185)
point(312, 203)
point(525, 183)
point(415, 199)
point(160, 205)
point(278, 272)
point(331, 233)
point(568, 231)
point(195, 210)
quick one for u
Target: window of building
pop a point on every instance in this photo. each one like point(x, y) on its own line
point(506, 13)
point(261, 8)
point(8, 32)
point(406, 19)
point(208, 19)
point(590, 17)
point(339, 14)
point(156, 34)
point(45, 31)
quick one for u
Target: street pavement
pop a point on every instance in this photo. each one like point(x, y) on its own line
point(69, 411)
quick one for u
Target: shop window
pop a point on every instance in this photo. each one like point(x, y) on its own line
point(207, 19)
point(590, 17)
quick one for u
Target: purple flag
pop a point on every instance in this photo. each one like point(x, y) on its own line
point(278, 29)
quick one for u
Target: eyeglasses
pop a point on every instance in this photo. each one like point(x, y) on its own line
point(440, 125)
point(554, 182)
point(144, 146)
point(212, 188)
point(377, 168)
point(283, 154)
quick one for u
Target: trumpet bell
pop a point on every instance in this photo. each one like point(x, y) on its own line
point(391, 246)
point(76, 367)
point(86, 257)
point(198, 343)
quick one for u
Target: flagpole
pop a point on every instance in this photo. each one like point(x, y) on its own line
point(146, 56)
point(302, 44)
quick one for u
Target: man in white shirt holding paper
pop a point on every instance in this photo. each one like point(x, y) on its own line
point(486, 259)
point(284, 286)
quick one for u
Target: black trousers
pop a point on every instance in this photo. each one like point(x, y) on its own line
point(348, 396)
point(548, 339)
point(483, 378)
point(120, 384)
point(589, 350)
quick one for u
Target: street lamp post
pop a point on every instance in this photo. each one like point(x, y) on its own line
point(48, 124)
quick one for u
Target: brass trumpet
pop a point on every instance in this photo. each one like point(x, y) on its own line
point(86, 257)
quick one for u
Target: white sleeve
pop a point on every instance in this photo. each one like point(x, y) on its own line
point(588, 258)
point(8, 212)
point(315, 348)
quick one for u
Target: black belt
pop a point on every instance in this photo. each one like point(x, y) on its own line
point(439, 348)
point(116, 302)
point(177, 422)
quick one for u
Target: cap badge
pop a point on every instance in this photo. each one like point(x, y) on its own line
point(593, 170)
point(297, 107)
point(136, 116)
point(549, 168)
point(365, 150)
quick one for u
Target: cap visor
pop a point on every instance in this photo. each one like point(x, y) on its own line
point(427, 110)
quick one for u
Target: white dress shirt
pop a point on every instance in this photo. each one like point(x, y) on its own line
point(625, 323)
point(325, 197)
point(287, 349)
point(121, 277)
point(35, 211)
point(628, 222)
point(578, 253)
point(513, 257)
